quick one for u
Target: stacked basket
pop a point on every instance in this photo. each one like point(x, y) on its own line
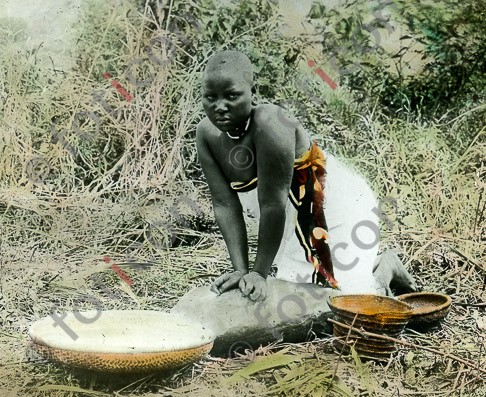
point(371, 313)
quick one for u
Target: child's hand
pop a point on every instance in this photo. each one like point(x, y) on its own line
point(226, 282)
point(254, 285)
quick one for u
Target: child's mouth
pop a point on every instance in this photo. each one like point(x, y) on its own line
point(223, 121)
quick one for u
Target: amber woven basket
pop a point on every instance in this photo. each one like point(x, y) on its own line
point(429, 308)
point(124, 362)
point(121, 341)
point(372, 313)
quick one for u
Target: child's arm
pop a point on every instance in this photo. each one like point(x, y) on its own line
point(275, 143)
point(228, 213)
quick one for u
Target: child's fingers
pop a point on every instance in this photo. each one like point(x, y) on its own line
point(255, 296)
point(258, 294)
point(214, 288)
point(230, 281)
point(217, 284)
point(245, 287)
point(227, 285)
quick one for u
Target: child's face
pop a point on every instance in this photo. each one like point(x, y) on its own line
point(226, 98)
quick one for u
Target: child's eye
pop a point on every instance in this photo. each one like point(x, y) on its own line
point(209, 97)
point(232, 96)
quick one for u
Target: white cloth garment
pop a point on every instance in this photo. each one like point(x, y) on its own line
point(353, 231)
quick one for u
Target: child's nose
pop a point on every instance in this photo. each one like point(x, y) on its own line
point(221, 106)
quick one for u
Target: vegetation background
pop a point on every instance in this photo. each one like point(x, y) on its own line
point(86, 173)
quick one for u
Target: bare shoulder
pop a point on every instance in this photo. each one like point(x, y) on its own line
point(275, 119)
point(275, 124)
point(267, 112)
point(203, 128)
point(205, 131)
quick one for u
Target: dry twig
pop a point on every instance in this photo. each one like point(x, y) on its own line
point(409, 344)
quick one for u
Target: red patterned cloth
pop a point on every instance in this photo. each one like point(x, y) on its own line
point(307, 196)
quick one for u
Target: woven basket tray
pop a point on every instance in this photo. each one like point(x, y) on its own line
point(373, 313)
point(428, 308)
point(122, 341)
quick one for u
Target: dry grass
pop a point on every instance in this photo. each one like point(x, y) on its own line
point(103, 200)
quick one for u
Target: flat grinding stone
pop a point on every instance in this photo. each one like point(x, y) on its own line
point(291, 312)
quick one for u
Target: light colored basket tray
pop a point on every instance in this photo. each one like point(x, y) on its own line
point(122, 341)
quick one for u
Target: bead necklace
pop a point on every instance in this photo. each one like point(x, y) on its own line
point(243, 132)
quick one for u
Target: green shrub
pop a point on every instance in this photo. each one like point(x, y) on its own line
point(452, 34)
